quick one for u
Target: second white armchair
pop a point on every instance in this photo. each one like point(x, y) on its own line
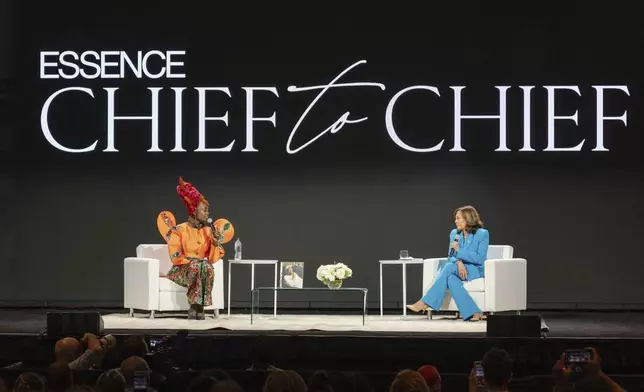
point(504, 287)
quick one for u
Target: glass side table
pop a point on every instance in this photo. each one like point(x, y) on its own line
point(256, 292)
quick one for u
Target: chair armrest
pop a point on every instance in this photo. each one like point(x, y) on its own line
point(218, 286)
point(431, 267)
point(141, 283)
point(506, 284)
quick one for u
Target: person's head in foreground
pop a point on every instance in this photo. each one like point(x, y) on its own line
point(29, 382)
point(59, 377)
point(432, 377)
point(409, 381)
point(67, 350)
point(497, 369)
point(110, 381)
point(227, 386)
point(284, 381)
point(132, 366)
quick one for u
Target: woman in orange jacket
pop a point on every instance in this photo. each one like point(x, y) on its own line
point(194, 247)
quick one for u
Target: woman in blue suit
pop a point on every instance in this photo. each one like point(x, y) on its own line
point(467, 254)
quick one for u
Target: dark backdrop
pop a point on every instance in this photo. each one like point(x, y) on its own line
point(6, 188)
point(353, 196)
point(5, 73)
point(5, 28)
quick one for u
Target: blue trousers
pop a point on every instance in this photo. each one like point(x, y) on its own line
point(448, 279)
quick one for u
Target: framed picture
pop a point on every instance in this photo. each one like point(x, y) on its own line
point(292, 275)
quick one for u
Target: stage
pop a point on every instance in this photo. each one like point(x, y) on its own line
point(311, 341)
point(298, 322)
point(307, 341)
point(561, 324)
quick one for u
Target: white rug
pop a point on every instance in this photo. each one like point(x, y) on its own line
point(290, 322)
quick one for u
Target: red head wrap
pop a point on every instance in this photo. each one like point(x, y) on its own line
point(190, 196)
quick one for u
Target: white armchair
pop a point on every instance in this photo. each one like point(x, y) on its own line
point(146, 288)
point(504, 287)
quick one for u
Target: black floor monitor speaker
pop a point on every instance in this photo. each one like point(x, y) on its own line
point(513, 326)
point(74, 323)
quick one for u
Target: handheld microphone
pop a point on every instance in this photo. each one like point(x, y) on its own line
point(215, 233)
point(457, 238)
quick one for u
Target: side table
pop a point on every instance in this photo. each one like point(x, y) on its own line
point(403, 263)
point(252, 264)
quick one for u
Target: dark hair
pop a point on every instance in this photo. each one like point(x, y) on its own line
point(284, 381)
point(110, 381)
point(319, 381)
point(203, 383)
point(407, 381)
point(226, 386)
point(219, 374)
point(497, 367)
point(59, 377)
point(29, 382)
point(207, 380)
point(472, 218)
point(133, 346)
point(80, 388)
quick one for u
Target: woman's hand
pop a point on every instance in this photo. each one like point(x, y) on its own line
point(561, 374)
point(214, 234)
point(594, 364)
point(462, 271)
point(473, 385)
point(455, 246)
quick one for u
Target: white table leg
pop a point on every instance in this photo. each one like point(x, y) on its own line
point(381, 314)
point(252, 286)
point(252, 276)
point(230, 268)
point(404, 285)
point(275, 294)
point(364, 307)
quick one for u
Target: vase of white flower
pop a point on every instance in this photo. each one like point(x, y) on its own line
point(332, 275)
point(336, 284)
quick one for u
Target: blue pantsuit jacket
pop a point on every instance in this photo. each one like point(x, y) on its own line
point(473, 253)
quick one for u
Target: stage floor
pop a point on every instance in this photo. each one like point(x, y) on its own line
point(561, 324)
point(297, 322)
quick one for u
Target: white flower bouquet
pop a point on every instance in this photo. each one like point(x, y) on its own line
point(332, 275)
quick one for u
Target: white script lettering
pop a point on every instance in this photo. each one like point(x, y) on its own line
point(344, 119)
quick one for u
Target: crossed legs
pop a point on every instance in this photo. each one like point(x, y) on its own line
point(448, 279)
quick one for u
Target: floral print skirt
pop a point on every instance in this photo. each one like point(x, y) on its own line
point(198, 276)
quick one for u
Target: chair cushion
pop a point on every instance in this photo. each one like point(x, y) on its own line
point(475, 285)
point(166, 284)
